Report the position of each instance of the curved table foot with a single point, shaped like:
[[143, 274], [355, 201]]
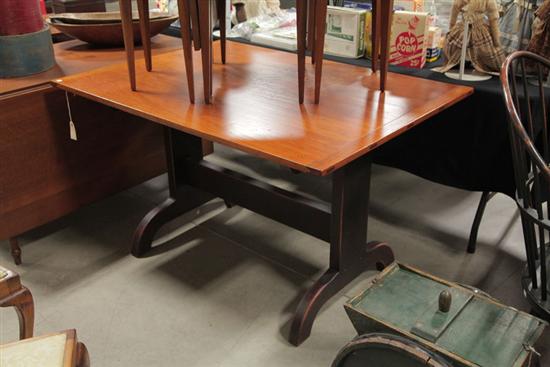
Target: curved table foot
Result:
[[151, 223], [378, 255]]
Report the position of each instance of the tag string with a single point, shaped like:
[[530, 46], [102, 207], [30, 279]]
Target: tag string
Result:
[[68, 106]]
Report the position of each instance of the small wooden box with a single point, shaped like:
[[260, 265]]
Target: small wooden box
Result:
[[476, 331], [78, 6]]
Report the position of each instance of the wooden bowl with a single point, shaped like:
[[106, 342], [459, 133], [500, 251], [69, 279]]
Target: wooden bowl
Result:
[[109, 34]]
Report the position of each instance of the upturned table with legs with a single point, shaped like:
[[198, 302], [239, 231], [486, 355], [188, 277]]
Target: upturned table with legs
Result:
[[196, 33], [254, 110]]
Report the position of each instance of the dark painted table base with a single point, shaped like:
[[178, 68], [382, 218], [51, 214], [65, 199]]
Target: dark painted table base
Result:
[[343, 223]]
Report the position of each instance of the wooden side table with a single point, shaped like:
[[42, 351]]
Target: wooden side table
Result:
[[196, 30], [13, 294]]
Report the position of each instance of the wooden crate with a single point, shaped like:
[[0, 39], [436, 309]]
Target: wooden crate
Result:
[[476, 331]]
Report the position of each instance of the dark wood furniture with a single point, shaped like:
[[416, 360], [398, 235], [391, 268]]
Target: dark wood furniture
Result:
[[45, 175], [253, 114], [529, 136], [13, 294]]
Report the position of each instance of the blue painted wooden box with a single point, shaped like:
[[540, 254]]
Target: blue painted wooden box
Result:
[[26, 54], [476, 330]]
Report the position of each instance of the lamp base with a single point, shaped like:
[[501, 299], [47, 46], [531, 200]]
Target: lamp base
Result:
[[468, 76]]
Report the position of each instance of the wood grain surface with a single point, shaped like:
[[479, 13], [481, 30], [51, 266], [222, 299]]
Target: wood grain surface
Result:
[[254, 106]]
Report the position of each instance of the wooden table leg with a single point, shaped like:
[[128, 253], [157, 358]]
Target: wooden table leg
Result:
[[375, 35], [385, 33], [301, 29], [195, 24], [185, 30], [205, 26], [182, 198], [15, 250], [311, 6], [221, 10], [126, 17], [349, 256], [23, 303], [144, 26], [320, 29]]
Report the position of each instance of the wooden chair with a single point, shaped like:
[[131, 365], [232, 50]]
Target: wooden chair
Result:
[[529, 137], [54, 350], [311, 28], [13, 294]]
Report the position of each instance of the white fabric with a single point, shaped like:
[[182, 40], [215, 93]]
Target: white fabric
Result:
[[36, 352]]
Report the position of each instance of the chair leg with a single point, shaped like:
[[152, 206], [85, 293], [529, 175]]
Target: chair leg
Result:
[[301, 29], [23, 303], [82, 356], [472, 242], [185, 30], [15, 250], [144, 27], [386, 9], [205, 27], [221, 10], [128, 33], [320, 29]]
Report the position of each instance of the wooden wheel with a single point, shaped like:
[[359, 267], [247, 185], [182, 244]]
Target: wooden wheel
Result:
[[386, 350]]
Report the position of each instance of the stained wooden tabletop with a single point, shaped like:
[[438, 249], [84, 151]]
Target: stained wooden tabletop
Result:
[[255, 104]]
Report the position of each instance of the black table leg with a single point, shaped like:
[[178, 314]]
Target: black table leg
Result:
[[183, 198], [194, 181], [349, 254]]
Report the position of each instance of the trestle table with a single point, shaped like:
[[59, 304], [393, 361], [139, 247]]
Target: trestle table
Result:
[[254, 110]]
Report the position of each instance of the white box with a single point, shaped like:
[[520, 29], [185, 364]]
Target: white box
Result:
[[345, 34]]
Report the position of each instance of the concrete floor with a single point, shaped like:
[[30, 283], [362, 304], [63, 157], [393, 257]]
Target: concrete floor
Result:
[[223, 289]]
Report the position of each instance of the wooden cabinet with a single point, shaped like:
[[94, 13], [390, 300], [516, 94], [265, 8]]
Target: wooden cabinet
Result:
[[43, 173]]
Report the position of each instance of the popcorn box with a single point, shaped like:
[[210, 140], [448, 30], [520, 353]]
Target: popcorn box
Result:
[[345, 35], [408, 39]]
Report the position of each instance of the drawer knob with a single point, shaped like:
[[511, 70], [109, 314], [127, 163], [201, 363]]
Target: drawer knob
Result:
[[445, 300]]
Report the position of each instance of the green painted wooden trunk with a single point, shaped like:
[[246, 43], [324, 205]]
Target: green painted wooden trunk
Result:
[[476, 331]]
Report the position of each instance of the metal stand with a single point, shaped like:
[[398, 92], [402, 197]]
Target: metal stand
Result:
[[194, 181], [462, 74]]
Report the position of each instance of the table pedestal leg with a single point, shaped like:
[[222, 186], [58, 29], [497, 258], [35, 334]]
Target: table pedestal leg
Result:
[[182, 198], [349, 256]]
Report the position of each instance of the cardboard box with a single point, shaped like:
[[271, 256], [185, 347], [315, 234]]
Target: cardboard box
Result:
[[345, 32], [433, 50], [408, 39], [409, 5]]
